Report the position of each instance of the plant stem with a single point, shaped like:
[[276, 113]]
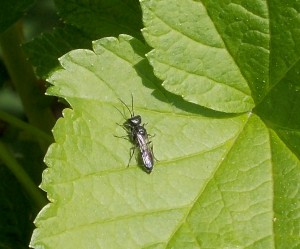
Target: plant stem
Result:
[[25, 82], [13, 165], [25, 127]]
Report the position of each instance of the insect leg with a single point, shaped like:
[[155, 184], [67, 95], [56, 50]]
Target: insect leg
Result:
[[132, 150], [151, 148], [150, 135], [123, 137]]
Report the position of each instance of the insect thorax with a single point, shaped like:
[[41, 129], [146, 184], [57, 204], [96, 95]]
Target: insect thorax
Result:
[[135, 121]]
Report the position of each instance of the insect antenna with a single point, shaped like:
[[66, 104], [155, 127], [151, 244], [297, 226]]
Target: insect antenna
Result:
[[131, 112], [132, 104], [122, 113]]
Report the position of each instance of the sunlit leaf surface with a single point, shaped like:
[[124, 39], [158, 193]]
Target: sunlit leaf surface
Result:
[[228, 171]]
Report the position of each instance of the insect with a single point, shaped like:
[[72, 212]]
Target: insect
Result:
[[139, 137]]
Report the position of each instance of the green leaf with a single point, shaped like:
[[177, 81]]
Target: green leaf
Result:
[[197, 60], [45, 49], [102, 18], [92, 21], [221, 180], [11, 11]]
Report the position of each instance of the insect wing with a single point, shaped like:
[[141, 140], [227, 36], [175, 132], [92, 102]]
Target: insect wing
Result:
[[148, 160], [146, 151]]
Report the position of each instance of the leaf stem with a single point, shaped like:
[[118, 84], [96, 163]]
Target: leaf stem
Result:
[[25, 82], [21, 175]]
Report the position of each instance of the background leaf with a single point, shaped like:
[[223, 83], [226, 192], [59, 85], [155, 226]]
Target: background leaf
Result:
[[45, 49], [103, 18], [16, 217], [11, 11], [17, 212], [222, 180], [86, 21]]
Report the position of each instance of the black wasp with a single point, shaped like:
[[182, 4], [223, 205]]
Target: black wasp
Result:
[[139, 137]]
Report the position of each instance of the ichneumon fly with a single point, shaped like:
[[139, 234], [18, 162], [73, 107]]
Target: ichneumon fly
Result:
[[139, 137]]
